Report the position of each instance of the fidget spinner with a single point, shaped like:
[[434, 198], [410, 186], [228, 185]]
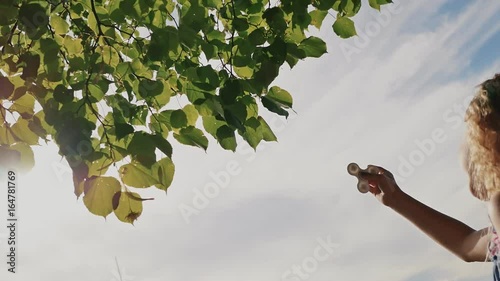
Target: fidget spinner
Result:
[[353, 169]]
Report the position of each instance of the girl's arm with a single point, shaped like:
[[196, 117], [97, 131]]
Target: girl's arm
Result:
[[468, 244], [463, 241]]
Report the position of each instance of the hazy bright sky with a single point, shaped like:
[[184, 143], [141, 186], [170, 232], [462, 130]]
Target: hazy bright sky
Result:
[[371, 102]]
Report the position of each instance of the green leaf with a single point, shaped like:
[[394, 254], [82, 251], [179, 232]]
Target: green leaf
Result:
[[136, 175], [267, 133], [230, 91], [31, 64], [72, 45], [273, 106], [162, 144], [99, 193], [92, 23], [62, 94], [258, 36], [210, 50], [344, 27], [164, 44], [313, 47], [212, 3], [60, 25], [22, 132], [164, 98], [206, 78], [244, 72], [191, 114], [99, 164], [240, 24], [350, 7], [96, 92], [24, 106], [280, 96], [6, 88], [142, 149], [164, 171], [226, 138], [8, 13], [374, 4], [253, 132], [266, 74], [275, 18], [50, 50], [192, 136], [159, 128], [33, 20], [178, 119], [324, 4], [150, 88], [317, 17], [276, 51], [126, 206], [123, 129], [221, 132], [110, 56], [37, 126]]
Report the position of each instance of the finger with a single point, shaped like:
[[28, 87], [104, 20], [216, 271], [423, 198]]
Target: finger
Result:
[[381, 170], [373, 187], [374, 190], [378, 180], [371, 177]]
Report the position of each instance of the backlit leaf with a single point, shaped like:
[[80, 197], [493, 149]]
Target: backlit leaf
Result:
[[164, 171], [22, 132], [99, 193], [60, 25], [136, 175], [317, 17], [126, 207], [280, 96], [192, 136], [313, 47], [344, 27]]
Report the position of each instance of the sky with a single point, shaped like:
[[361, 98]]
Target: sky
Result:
[[394, 96]]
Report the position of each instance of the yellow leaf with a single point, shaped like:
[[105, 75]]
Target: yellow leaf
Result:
[[24, 133], [99, 193], [136, 175], [24, 105], [128, 206]]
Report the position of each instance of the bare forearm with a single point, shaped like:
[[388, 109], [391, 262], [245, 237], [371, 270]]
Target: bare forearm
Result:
[[446, 231]]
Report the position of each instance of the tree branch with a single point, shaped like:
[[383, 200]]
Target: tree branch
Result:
[[10, 37], [99, 28]]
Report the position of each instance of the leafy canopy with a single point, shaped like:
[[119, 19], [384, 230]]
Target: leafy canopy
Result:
[[97, 78]]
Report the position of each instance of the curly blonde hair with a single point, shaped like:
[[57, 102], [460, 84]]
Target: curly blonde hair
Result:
[[482, 140]]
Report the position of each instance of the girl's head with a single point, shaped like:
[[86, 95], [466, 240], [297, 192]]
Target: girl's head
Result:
[[482, 140]]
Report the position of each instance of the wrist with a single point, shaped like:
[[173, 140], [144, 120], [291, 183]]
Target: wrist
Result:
[[398, 200]]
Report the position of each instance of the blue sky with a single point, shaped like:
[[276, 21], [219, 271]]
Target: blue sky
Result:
[[279, 205]]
